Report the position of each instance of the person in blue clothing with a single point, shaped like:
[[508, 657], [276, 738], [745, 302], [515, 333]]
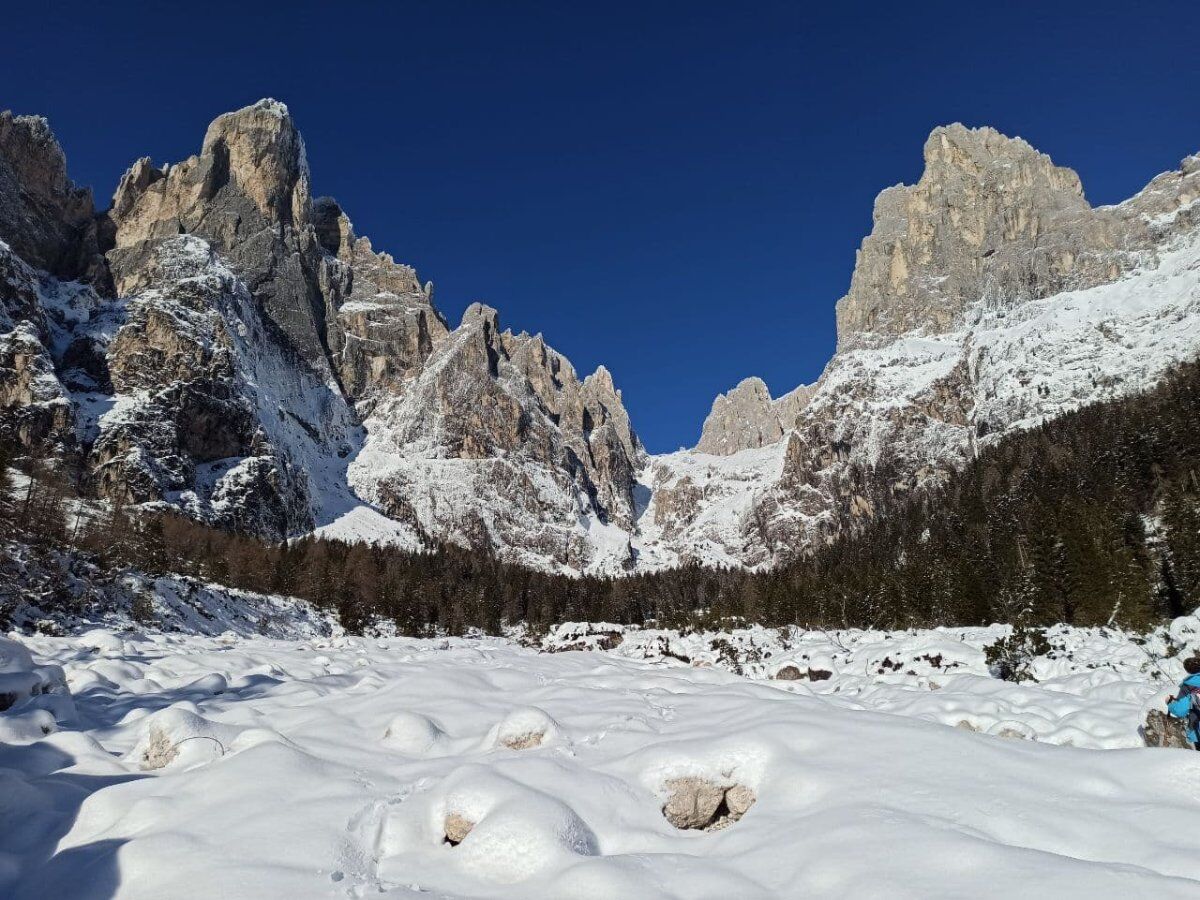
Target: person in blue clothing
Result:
[[1186, 704]]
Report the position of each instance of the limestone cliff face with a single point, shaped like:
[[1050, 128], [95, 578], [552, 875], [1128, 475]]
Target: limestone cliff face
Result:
[[991, 220], [989, 296], [385, 324], [747, 417], [243, 351], [221, 343]]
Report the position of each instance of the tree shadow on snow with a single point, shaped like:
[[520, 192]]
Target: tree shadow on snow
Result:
[[88, 872], [40, 803], [41, 807]]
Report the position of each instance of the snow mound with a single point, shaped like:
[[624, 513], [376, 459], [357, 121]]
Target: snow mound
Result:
[[34, 696], [179, 738], [414, 735], [516, 832], [523, 729], [101, 640]]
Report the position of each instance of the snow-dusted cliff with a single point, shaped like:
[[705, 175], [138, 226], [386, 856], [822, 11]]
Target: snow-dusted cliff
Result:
[[221, 342]]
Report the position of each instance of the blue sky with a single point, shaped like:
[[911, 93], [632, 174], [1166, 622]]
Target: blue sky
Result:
[[675, 190]]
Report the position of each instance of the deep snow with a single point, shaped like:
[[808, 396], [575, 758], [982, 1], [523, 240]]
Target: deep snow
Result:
[[201, 766]]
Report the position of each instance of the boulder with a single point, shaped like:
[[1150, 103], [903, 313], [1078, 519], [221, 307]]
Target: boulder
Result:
[[456, 827], [692, 803], [1162, 730]]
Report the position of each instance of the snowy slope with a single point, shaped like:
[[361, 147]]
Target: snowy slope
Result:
[[925, 402], [199, 767]]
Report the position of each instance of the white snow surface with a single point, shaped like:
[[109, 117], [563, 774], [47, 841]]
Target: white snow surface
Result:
[[199, 766]]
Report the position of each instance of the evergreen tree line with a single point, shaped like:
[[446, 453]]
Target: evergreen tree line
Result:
[[1091, 519]]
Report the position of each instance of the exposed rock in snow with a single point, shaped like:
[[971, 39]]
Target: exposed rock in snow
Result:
[[457, 828], [523, 729], [279, 785], [1162, 730], [692, 802]]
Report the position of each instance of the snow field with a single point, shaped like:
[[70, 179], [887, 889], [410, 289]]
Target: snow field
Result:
[[195, 766], [1093, 690]]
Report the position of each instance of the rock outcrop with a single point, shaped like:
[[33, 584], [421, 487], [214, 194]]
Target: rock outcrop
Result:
[[747, 418], [44, 218]]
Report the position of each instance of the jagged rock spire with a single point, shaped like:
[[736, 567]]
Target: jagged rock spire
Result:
[[44, 217]]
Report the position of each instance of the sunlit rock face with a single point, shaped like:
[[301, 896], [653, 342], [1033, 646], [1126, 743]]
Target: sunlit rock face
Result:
[[989, 296], [239, 353], [220, 342]]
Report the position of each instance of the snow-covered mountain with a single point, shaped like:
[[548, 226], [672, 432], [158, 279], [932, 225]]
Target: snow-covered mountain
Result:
[[221, 342], [989, 297]]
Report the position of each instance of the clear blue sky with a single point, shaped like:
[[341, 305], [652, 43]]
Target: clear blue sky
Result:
[[675, 190]]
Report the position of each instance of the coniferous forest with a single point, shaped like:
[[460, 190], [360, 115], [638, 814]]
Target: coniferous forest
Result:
[[1091, 519]]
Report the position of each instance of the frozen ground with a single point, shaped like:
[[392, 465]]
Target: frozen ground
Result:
[[231, 766]]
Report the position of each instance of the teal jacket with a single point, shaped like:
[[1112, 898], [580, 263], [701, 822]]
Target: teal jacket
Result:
[[1181, 706]]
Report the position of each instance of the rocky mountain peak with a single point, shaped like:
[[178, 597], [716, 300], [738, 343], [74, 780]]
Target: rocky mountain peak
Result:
[[990, 218], [251, 173], [247, 194], [602, 380], [259, 150], [480, 312], [44, 218], [984, 154], [747, 417]]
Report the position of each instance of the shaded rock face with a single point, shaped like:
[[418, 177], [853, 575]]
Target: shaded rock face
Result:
[[198, 375], [45, 219]]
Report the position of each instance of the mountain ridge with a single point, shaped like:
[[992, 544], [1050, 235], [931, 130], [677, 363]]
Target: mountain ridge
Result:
[[222, 342]]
